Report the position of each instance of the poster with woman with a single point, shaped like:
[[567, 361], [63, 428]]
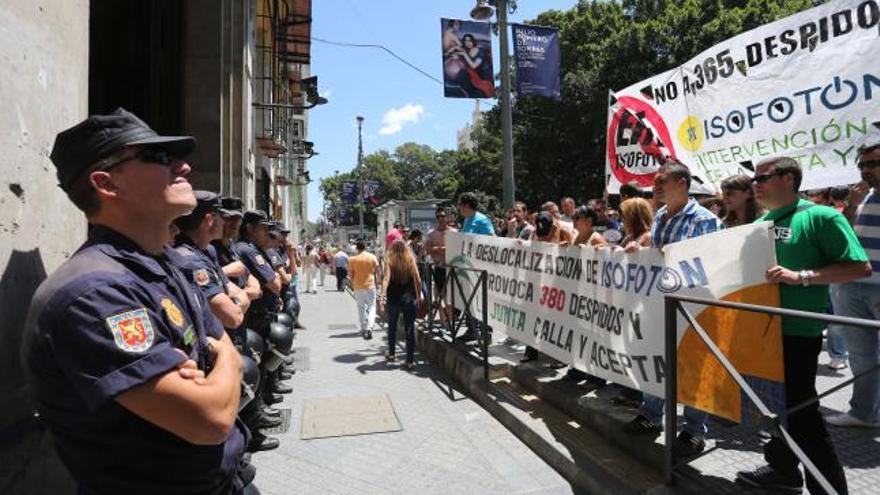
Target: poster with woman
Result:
[[467, 59]]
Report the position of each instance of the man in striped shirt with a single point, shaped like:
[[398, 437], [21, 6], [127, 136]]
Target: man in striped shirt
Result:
[[682, 218], [861, 299]]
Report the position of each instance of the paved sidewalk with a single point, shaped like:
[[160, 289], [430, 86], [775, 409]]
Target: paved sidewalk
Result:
[[448, 443]]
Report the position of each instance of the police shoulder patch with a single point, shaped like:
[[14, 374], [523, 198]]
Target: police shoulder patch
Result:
[[132, 330], [172, 311], [201, 276]]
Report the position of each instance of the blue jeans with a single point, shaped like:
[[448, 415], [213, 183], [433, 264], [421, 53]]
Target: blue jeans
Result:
[[836, 342], [694, 419], [409, 319], [861, 300]]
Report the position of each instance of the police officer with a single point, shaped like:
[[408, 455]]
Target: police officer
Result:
[[227, 302], [224, 253], [123, 356], [197, 230], [253, 239]]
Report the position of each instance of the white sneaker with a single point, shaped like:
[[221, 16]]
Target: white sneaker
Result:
[[837, 364], [848, 421]]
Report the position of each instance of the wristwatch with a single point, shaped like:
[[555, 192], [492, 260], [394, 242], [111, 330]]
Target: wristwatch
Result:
[[806, 277]]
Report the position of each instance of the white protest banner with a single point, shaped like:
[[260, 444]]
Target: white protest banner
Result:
[[602, 310], [806, 86]]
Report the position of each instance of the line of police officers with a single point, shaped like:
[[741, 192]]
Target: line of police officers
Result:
[[154, 359]]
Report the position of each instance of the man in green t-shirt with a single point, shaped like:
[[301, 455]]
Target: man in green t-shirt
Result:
[[815, 246]]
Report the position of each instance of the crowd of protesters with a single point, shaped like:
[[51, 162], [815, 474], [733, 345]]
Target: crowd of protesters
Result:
[[827, 243]]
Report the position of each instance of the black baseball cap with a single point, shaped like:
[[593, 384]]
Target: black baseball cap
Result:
[[81, 146], [543, 223], [280, 228], [258, 217], [230, 206]]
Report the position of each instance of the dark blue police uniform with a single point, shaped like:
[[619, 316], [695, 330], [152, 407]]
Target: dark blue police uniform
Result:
[[262, 310], [199, 268], [112, 318], [225, 255]]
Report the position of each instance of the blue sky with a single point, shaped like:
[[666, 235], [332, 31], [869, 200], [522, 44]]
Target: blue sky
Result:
[[398, 104]]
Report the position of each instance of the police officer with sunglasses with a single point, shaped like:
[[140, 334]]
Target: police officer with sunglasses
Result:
[[130, 371]]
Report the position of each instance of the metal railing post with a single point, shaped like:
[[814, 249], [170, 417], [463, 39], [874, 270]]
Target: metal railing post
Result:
[[484, 330], [671, 371], [452, 279]]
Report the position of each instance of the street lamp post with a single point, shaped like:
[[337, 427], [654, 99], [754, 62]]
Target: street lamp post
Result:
[[480, 13], [360, 174]]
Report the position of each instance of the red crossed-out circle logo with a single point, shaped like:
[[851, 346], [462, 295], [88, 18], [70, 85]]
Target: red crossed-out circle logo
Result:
[[638, 142]]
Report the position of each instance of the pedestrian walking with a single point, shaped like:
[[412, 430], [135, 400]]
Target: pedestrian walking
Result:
[[340, 261], [310, 267], [363, 267], [402, 293]]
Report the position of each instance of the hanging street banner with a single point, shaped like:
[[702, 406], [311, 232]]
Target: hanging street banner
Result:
[[371, 192], [536, 51], [602, 310], [349, 192], [806, 86], [467, 59]]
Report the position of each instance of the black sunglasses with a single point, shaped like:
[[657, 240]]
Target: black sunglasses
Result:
[[868, 164], [147, 155], [760, 179]]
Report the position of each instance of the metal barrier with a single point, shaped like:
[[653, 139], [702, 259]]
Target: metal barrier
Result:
[[673, 305], [453, 276]]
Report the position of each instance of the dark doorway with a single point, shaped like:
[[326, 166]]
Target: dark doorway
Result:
[[136, 60]]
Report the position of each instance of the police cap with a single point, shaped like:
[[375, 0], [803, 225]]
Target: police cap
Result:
[[256, 217], [78, 148], [231, 206], [206, 202]]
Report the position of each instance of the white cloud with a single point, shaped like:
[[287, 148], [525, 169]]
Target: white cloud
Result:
[[395, 118]]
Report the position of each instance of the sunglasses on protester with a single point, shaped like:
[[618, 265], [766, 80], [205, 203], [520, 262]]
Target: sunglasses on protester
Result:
[[146, 155], [762, 178], [868, 164]]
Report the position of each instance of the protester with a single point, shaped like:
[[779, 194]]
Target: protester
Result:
[[568, 208], [681, 218], [628, 191], [717, 206], [861, 299], [637, 220], [742, 208], [436, 250], [362, 268], [111, 377], [584, 220], [415, 244], [815, 246], [340, 261], [402, 293], [819, 196], [547, 229], [474, 221], [518, 226], [637, 217]]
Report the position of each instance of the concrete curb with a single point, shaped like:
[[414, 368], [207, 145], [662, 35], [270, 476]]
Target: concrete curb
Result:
[[582, 457]]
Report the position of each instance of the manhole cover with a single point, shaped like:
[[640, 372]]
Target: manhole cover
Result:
[[343, 416], [283, 427]]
